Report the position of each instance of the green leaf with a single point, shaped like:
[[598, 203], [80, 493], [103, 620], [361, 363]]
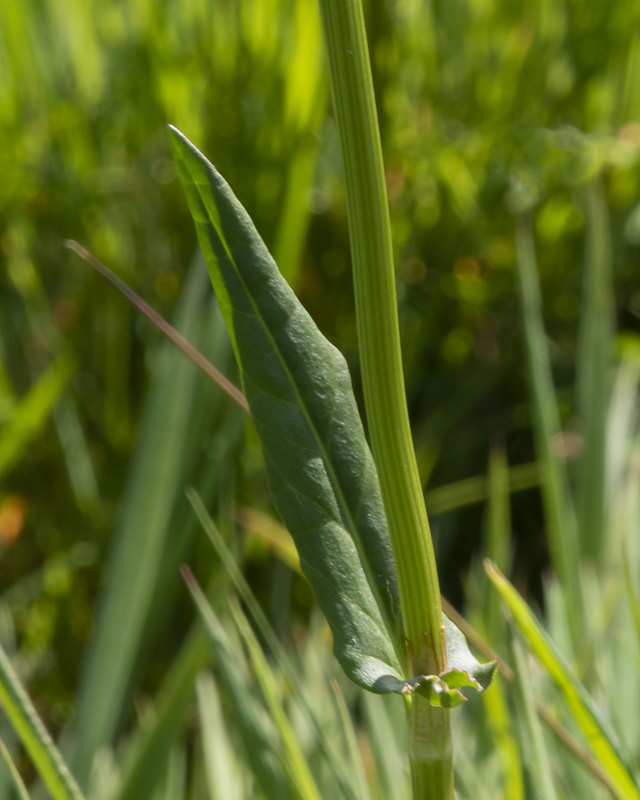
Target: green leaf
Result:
[[223, 769], [292, 755], [31, 413], [263, 752], [320, 470], [35, 738], [562, 530], [601, 740], [463, 671], [595, 368], [16, 778], [535, 748], [140, 545], [153, 742], [286, 667], [632, 597]]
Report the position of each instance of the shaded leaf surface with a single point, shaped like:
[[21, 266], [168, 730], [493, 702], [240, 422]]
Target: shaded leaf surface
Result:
[[320, 470], [321, 473]]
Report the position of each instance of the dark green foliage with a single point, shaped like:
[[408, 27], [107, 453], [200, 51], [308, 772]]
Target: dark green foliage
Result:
[[321, 473]]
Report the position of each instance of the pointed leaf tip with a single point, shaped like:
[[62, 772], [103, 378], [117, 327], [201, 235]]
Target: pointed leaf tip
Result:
[[321, 473], [326, 487]]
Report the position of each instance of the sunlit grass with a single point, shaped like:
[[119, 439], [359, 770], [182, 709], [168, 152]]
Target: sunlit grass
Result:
[[485, 112]]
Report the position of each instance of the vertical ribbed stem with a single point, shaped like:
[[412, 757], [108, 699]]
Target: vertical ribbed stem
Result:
[[383, 381]]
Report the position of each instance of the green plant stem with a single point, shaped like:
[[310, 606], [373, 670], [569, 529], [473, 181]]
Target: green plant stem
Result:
[[562, 527], [430, 751], [384, 392]]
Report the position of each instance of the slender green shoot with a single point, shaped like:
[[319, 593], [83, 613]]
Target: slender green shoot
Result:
[[561, 521], [282, 658], [293, 757], [222, 770], [34, 736], [601, 740], [595, 377], [16, 778], [538, 756], [353, 755], [383, 381]]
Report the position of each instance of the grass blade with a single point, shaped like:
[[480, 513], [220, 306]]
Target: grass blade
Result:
[[562, 528], [353, 755], [477, 489], [32, 411], [500, 722], [537, 755], [260, 743], [594, 376], [497, 539], [136, 557], [275, 532], [16, 778], [294, 759], [169, 331], [600, 739], [387, 726], [153, 744], [175, 776], [632, 595], [221, 765], [34, 736]]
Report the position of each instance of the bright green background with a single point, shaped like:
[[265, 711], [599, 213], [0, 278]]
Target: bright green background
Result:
[[486, 108]]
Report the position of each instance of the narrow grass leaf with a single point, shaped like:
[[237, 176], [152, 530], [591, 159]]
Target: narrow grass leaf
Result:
[[469, 782], [175, 776], [353, 754], [561, 522], [137, 554], [222, 770], [387, 727], [156, 319], [34, 736], [504, 738], [153, 743], [504, 718], [256, 730], [537, 755], [477, 489], [272, 533], [30, 413], [497, 538], [594, 374], [601, 741], [499, 521], [294, 759], [278, 533], [632, 595], [76, 452], [16, 778]]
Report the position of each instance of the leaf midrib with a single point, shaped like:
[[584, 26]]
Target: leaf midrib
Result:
[[335, 483]]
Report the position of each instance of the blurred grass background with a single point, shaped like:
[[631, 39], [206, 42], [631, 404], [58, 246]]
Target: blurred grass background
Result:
[[487, 111]]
